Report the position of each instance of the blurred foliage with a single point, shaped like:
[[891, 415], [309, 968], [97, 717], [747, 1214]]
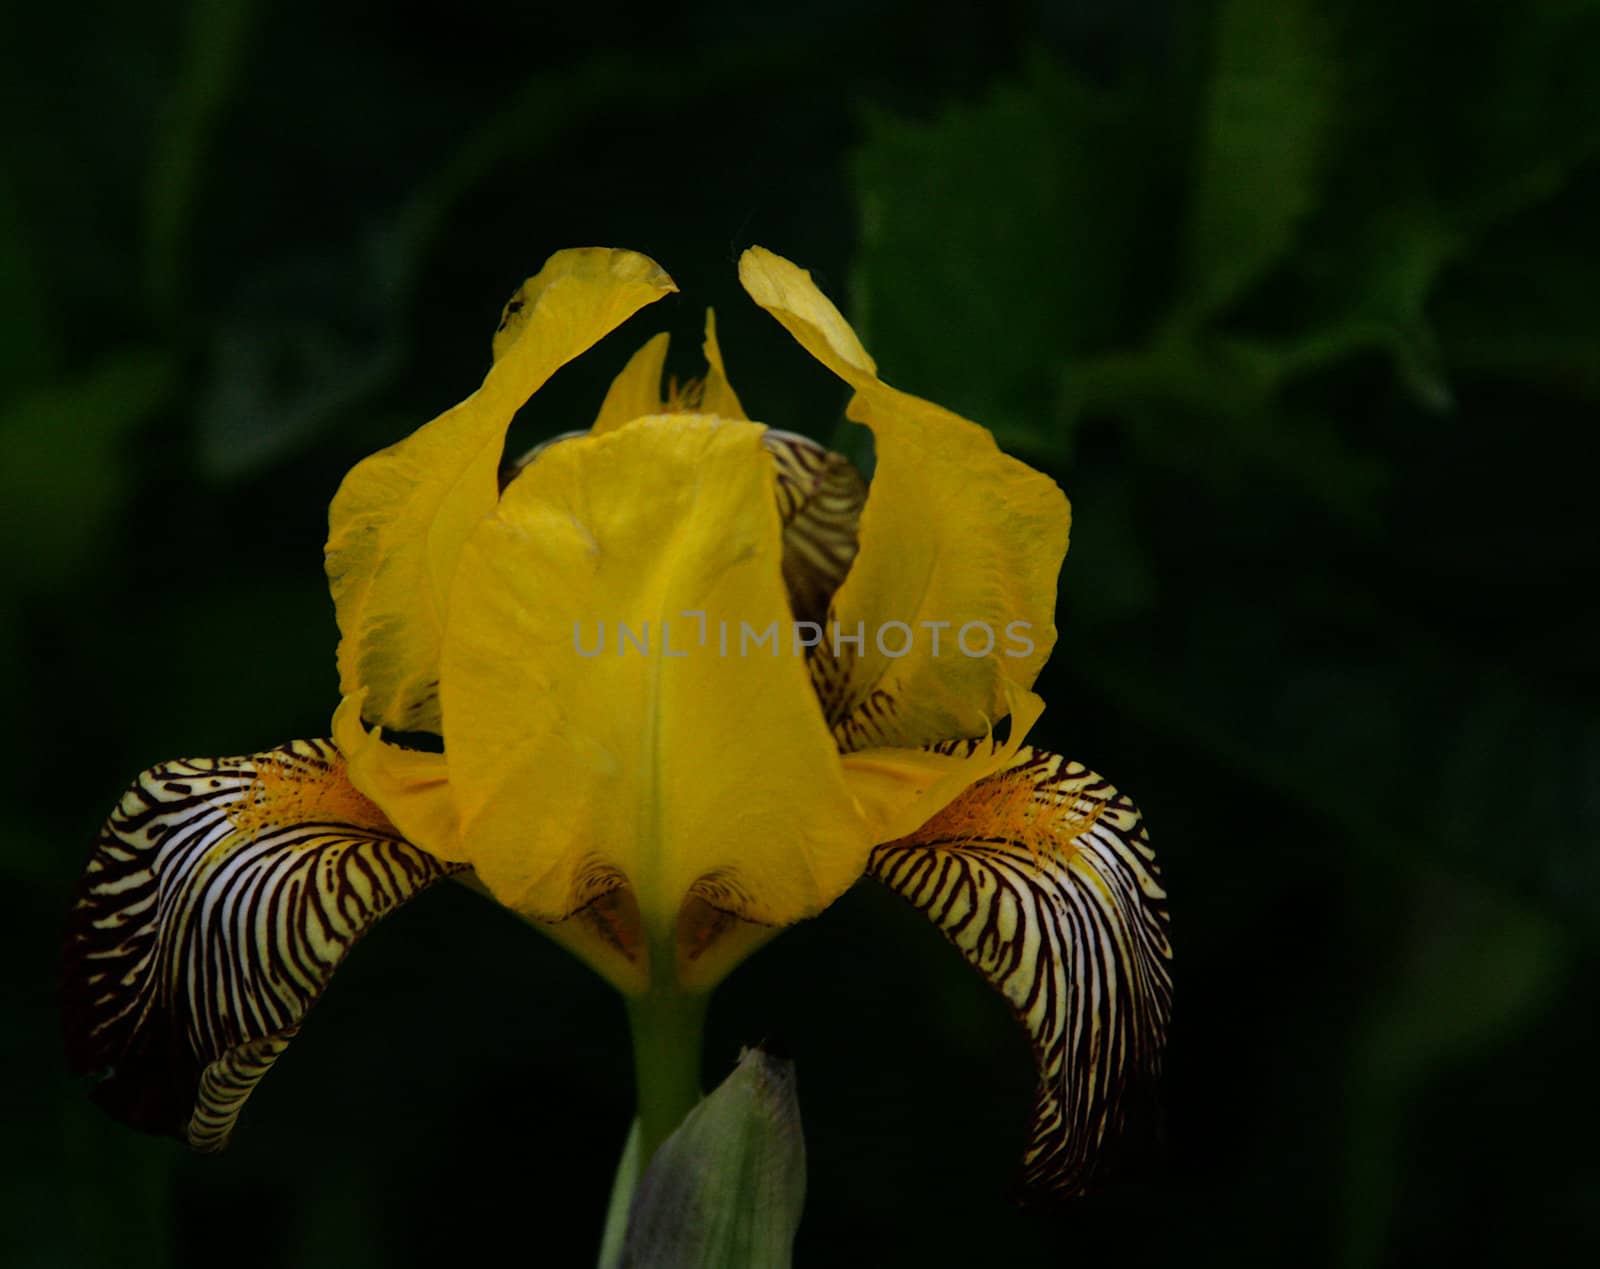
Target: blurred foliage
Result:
[[1295, 300]]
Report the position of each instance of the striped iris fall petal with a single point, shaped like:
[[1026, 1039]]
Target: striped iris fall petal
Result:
[[221, 896], [1042, 877]]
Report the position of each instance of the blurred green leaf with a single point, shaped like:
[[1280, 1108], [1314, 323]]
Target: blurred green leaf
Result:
[[1207, 405], [66, 469], [1108, 573], [1523, 304], [214, 46], [1458, 118], [1030, 258], [26, 352], [1474, 967], [1263, 141]]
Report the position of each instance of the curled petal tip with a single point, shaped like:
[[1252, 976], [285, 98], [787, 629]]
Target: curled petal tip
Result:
[[790, 294]]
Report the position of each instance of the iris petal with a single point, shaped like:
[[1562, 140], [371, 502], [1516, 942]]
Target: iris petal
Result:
[[412, 786], [398, 522], [959, 543], [1042, 877], [221, 896], [718, 396], [635, 392], [682, 750], [898, 790]]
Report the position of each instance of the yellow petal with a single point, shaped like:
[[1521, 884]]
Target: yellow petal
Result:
[[411, 785], [956, 537], [899, 790], [787, 292], [719, 397], [636, 392], [399, 520], [674, 764]]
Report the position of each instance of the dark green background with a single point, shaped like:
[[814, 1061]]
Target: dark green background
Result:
[[1297, 301]]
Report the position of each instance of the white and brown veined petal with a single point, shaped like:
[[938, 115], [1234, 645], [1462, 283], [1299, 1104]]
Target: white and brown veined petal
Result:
[[221, 896], [1043, 878]]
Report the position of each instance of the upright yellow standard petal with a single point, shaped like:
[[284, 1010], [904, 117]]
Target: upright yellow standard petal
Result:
[[400, 518], [719, 396], [636, 392], [960, 544], [620, 691]]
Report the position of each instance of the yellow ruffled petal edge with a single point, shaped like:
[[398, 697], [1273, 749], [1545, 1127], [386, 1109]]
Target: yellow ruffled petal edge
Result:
[[960, 548], [398, 522]]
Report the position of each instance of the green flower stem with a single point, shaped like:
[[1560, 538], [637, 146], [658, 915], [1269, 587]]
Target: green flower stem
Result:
[[666, 1028]]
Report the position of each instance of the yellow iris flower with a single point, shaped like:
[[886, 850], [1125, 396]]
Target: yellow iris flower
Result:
[[663, 688]]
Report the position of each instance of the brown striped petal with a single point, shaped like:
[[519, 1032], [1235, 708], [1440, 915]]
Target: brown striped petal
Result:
[[820, 496], [221, 895], [1042, 876]]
